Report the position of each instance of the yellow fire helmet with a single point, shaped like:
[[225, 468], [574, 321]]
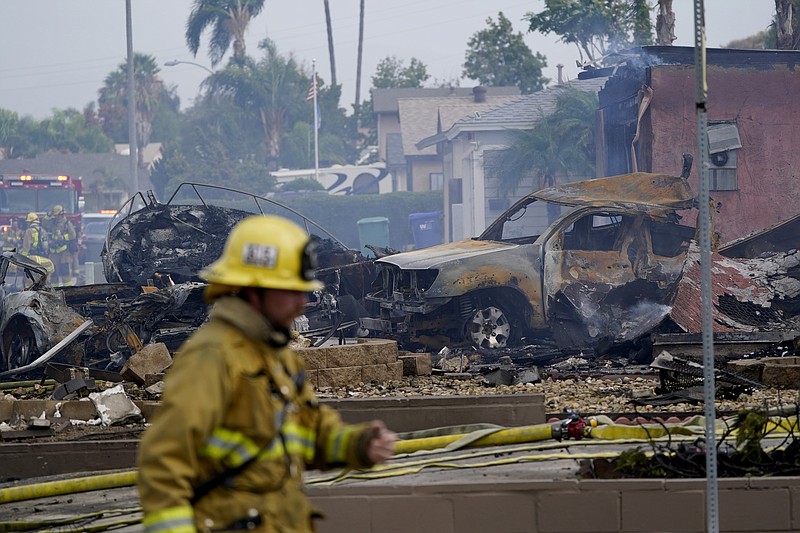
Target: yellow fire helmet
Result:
[[32, 217], [57, 210], [266, 251]]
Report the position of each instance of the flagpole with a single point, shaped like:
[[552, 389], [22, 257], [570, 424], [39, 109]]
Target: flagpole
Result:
[[316, 119]]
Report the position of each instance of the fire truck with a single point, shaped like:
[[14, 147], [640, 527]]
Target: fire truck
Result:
[[21, 194]]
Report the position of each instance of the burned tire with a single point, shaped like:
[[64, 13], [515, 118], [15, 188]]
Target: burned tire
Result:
[[20, 348], [490, 327]]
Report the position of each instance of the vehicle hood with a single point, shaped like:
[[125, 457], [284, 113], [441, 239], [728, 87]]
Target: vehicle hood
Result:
[[435, 256], [639, 191]]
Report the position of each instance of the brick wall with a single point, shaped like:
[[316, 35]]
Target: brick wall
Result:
[[338, 366]]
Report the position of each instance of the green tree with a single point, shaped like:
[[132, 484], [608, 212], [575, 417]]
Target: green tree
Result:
[[273, 88], [496, 56], [391, 72], [67, 131], [228, 21], [559, 144], [595, 27], [113, 99]]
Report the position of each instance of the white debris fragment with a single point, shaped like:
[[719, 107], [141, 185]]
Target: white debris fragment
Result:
[[115, 407]]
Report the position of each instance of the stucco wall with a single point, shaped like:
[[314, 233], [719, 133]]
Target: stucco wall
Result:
[[765, 106]]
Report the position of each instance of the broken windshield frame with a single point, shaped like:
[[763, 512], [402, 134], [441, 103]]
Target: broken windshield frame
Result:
[[524, 222]]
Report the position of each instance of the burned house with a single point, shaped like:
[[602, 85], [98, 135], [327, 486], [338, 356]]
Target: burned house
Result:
[[752, 132]]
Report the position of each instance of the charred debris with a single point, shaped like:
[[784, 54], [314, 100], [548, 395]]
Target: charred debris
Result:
[[152, 254], [613, 283]]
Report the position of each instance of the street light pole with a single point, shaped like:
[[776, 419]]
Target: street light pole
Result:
[[131, 90], [176, 62]]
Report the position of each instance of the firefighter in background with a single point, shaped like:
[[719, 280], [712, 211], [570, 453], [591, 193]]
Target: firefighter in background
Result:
[[13, 237], [239, 422], [62, 239], [34, 243]]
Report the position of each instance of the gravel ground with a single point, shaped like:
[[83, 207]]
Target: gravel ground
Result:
[[582, 394]]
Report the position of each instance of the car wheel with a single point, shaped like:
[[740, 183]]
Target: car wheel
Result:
[[22, 349], [489, 327]]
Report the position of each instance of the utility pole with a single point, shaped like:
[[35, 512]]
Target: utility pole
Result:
[[330, 42], [358, 64], [132, 144]]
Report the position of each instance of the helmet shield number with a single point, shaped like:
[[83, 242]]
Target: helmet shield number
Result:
[[259, 255]]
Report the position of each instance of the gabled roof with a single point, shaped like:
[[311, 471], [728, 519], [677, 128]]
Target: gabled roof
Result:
[[422, 117], [385, 100], [522, 113]]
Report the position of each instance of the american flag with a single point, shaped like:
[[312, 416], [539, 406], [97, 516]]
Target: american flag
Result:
[[312, 91]]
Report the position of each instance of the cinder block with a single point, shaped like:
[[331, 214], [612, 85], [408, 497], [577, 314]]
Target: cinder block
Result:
[[749, 368], [312, 376], [417, 364], [313, 357], [395, 370], [781, 372], [582, 512], [380, 351], [518, 512], [402, 514], [755, 510], [6, 410], [343, 514], [642, 510], [338, 377], [345, 355], [151, 359], [379, 373], [78, 410]]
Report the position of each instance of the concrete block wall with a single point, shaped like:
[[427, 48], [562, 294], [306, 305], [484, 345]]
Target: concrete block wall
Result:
[[746, 505], [349, 364]]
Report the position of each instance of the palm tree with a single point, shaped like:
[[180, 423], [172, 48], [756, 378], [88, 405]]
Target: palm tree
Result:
[[228, 20], [558, 145], [113, 100], [273, 89]]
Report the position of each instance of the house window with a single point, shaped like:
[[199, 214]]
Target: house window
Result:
[[437, 181], [723, 150]]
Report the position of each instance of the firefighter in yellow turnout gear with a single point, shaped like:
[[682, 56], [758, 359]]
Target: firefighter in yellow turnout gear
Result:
[[62, 240], [13, 238], [239, 423], [34, 243]]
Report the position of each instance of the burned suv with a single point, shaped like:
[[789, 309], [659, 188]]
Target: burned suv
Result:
[[559, 261]]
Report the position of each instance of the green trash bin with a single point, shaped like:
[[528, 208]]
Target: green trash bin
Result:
[[375, 231]]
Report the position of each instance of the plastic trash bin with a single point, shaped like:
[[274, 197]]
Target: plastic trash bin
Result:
[[375, 231], [426, 228]]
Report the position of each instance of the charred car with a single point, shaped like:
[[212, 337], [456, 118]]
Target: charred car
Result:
[[152, 255], [603, 269]]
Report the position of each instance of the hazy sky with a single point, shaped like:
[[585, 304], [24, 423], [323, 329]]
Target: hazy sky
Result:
[[56, 53]]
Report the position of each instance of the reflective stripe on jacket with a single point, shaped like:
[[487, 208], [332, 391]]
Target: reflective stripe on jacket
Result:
[[228, 397]]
